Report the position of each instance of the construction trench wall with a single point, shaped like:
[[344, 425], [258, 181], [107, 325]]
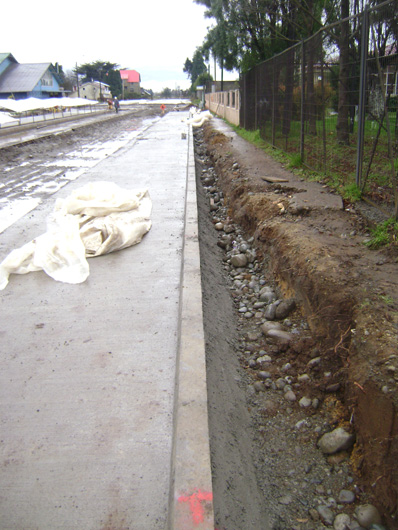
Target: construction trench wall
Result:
[[354, 338]]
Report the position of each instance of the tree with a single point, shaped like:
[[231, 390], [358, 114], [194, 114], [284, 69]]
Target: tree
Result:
[[195, 67], [250, 31], [105, 72]]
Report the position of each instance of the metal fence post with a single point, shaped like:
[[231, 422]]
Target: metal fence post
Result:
[[274, 95], [362, 94], [302, 113]]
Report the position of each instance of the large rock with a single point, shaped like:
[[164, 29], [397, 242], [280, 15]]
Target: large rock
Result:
[[268, 326], [267, 295], [239, 260], [367, 515], [285, 308], [337, 440], [326, 515], [270, 312], [342, 522], [278, 335]]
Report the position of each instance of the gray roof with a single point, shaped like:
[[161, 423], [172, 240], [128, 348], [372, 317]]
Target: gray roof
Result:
[[4, 56], [22, 77]]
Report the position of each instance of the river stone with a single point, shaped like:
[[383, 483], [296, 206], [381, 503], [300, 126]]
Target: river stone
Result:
[[258, 386], [367, 515], [342, 522], [314, 362], [337, 440], [266, 295], [271, 311], [239, 260], [264, 375], [264, 359], [346, 497], [250, 255], [290, 395], [219, 226], [278, 335], [224, 242], [267, 326], [228, 229], [305, 402], [209, 180], [326, 515], [280, 383], [285, 308]]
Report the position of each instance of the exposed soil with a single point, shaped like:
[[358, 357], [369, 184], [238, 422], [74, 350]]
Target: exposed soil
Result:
[[268, 470]]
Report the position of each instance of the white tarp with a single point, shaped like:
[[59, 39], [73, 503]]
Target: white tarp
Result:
[[28, 104], [198, 118], [6, 119], [96, 219]]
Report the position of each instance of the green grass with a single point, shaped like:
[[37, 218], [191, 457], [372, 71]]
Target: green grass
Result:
[[352, 193], [326, 160], [387, 299], [296, 161], [384, 234]]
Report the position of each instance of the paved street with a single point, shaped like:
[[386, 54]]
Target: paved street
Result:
[[93, 434]]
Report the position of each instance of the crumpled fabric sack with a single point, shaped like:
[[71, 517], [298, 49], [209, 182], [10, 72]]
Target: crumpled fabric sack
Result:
[[198, 118], [96, 219]]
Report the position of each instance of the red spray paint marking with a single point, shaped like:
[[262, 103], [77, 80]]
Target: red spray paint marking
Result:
[[195, 506]]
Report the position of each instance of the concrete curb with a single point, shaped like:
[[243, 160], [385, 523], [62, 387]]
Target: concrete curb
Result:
[[191, 497]]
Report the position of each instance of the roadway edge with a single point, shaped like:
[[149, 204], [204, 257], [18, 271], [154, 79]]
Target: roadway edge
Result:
[[191, 496]]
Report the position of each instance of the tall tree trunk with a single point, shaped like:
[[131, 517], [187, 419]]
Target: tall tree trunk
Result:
[[342, 128]]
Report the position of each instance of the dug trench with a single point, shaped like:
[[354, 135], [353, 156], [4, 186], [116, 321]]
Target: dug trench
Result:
[[301, 325]]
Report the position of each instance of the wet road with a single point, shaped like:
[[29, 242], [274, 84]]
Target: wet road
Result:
[[103, 384], [31, 172]]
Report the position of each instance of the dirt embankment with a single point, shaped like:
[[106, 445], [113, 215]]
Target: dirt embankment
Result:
[[348, 293]]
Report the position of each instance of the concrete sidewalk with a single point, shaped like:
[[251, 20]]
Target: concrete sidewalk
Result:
[[103, 385]]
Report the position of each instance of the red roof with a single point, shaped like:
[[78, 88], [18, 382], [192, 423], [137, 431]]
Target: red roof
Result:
[[131, 76]]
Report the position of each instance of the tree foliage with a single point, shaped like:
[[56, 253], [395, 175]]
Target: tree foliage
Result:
[[195, 67], [247, 32], [105, 72]]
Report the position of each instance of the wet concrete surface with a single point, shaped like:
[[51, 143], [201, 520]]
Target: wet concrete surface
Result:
[[89, 371]]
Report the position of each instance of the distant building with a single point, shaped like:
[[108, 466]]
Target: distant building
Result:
[[21, 81], [92, 90], [130, 81]]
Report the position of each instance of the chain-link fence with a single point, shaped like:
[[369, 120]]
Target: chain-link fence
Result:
[[332, 101]]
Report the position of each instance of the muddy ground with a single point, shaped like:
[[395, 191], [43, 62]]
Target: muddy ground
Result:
[[268, 469]]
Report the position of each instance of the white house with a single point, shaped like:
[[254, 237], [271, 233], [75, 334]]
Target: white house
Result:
[[92, 90]]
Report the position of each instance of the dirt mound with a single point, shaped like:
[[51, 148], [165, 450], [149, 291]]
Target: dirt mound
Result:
[[348, 293]]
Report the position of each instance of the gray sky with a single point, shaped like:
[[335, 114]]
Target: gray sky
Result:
[[153, 37]]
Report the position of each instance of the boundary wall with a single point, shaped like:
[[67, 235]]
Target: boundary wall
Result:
[[225, 104]]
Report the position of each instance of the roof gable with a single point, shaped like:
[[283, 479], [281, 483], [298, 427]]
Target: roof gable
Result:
[[9, 56], [131, 76]]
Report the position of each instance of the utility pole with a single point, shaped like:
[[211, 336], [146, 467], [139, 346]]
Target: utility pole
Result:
[[77, 80], [100, 77]]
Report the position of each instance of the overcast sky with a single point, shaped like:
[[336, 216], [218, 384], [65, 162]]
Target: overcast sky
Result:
[[153, 37]]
